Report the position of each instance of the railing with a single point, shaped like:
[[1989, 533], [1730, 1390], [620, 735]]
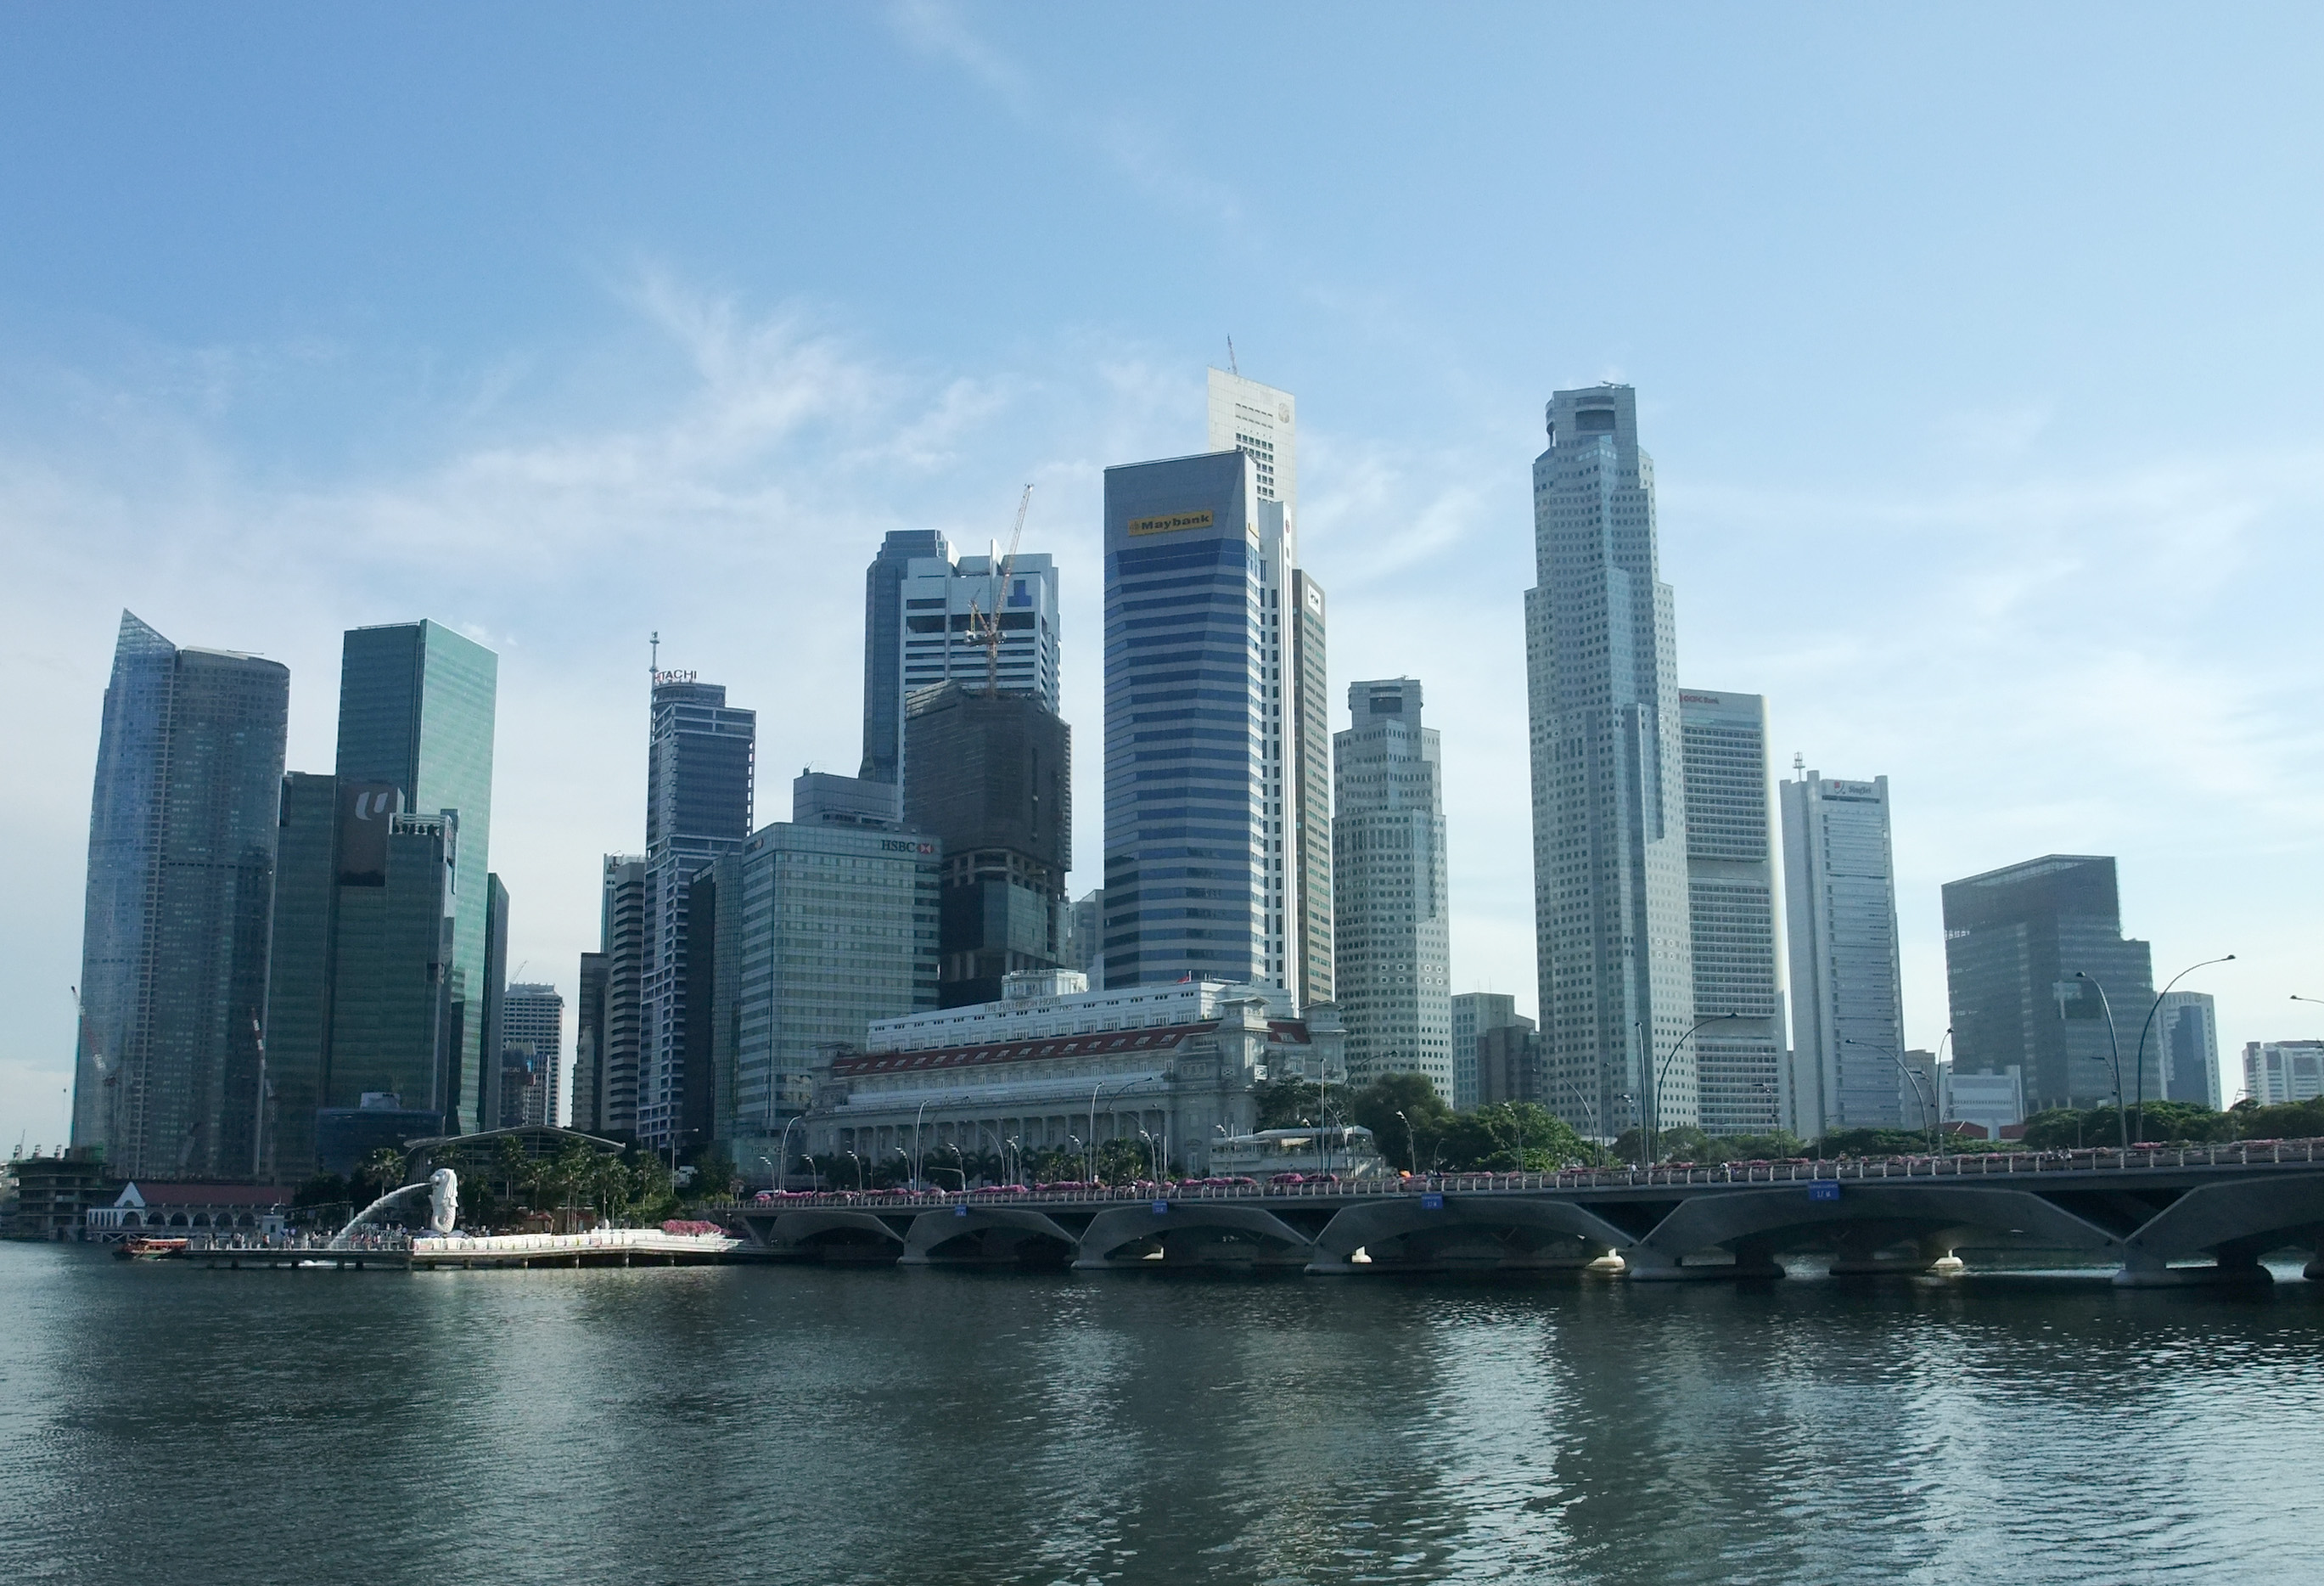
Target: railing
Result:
[[1983, 1165]]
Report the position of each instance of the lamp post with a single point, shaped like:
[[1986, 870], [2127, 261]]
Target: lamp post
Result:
[[1662, 1072], [1153, 1150], [2114, 1044], [2138, 1079], [783, 1151], [1411, 1144], [915, 1141], [858, 1160], [1624, 1098], [1928, 1109]]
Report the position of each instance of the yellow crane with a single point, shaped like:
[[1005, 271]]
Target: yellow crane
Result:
[[985, 626]]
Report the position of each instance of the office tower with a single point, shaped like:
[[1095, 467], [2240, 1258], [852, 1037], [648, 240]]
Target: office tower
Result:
[[532, 1047], [496, 926], [823, 923], [622, 942], [2277, 1072], [1474, 1014], [925, 626], [1262, 421], [416, 708], [2187, 1033], [181, 855], [883, 648], [1213, 746], [589, 1046], [298, 972], [1509, 1066], [1611, 920], [1847, 1019], [1731, 891], [1993, 1102], [2016, 940], [1393, 929], [698, 781], [1085, 939], [989, 777]]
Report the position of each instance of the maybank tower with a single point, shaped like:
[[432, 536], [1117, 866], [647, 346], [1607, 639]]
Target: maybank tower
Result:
[[1218, 845]]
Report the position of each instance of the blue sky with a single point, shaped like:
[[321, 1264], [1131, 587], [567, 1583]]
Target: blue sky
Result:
[[1977, 348]]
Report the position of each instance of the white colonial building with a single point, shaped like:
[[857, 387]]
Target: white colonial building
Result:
[[1053, 1064]]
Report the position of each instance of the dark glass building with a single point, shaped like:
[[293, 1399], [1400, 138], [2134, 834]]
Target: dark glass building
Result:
[[415, 712], [622, 944], [181, 855], [883, 648], [589, 1046], [989, 776], [2015, 940], [699, 781]]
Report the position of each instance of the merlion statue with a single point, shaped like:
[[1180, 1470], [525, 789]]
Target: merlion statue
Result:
[[443, 1201]]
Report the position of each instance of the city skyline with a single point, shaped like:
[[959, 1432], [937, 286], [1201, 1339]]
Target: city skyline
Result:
[[262, 445]]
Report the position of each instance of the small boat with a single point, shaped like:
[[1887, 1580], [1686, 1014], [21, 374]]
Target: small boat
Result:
[[142, 1249]]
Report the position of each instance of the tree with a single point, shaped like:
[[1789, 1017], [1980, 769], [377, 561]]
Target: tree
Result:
[[378, 1174], [1284, 1104], [1386, 1105], [1511, 1137]]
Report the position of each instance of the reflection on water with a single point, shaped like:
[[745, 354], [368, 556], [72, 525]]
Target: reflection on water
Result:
[[161, 1423]]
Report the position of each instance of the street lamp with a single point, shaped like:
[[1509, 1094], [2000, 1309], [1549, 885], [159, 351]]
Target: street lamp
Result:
[[2138, 1080], [1411, 1144], [2114, 1042], [783, 1151], [1928, 1110], [915, 1163], [1662, 1072], [1153, 1150], [858, 1160]]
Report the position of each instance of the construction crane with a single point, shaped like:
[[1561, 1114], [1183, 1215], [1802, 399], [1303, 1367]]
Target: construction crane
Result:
[[985, 626]]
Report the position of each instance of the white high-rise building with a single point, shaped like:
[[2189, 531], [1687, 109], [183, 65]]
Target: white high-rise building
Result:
[[1613, 940], [1730, 879], [1393, 918], [1217, 750], [531, 1054], [1848, 1019], [2276, 1071]]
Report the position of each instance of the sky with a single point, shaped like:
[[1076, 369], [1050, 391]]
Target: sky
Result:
[[1976, 346]]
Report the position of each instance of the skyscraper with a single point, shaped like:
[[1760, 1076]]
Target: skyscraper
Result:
[[1730, 886], [1847, 1017], [883, 648], [1213, 749], [1474, 1014], [2187, 1033], [1611, 926], [589, 1046], [532, 1045], [182, 855], [927, 630], [493, 1002], [2017, 941], [1393, 930], [699, 765], [622, 942], [415, 712], [989, 776], [823, 923]]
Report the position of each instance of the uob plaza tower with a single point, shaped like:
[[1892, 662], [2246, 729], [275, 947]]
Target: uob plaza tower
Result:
[[1610, 922]]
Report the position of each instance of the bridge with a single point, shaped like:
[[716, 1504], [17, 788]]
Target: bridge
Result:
[[2161, 1216]]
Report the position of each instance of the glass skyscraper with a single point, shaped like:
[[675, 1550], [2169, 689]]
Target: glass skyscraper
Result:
[[1730, 882], [1217, 833], [2015, 939], [883, 648], [698, 781], [416, 714], [181, 858], [1848, 1013], [1392, 932], [1612, 932]]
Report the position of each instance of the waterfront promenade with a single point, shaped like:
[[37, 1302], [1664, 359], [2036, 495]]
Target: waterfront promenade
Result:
[[2164, 1216]]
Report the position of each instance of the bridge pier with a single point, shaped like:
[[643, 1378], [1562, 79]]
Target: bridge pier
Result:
[[2233, 1264], [1861, 1258], [1753, 1260]]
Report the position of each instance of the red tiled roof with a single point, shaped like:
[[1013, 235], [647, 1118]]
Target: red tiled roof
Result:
[[1042, 1048]]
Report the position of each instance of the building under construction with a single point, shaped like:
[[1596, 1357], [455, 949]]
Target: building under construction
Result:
[[989, 773]]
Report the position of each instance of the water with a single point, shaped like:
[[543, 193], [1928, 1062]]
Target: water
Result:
[[161, 1423]]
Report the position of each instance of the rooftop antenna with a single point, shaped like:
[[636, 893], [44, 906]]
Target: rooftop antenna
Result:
[[656, 641], [985, 626], [1799, 767], [1232, 367]]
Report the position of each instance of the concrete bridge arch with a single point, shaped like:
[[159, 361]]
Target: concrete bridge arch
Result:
[[1755, 1225], [1189, 1233], [995, 1235], [1408, 1233]]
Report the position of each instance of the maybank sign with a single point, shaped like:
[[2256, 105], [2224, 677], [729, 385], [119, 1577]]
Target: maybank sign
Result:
[[1170, 523]]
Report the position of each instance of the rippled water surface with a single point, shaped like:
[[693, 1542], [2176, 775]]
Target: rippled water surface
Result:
[[161, 1423]]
